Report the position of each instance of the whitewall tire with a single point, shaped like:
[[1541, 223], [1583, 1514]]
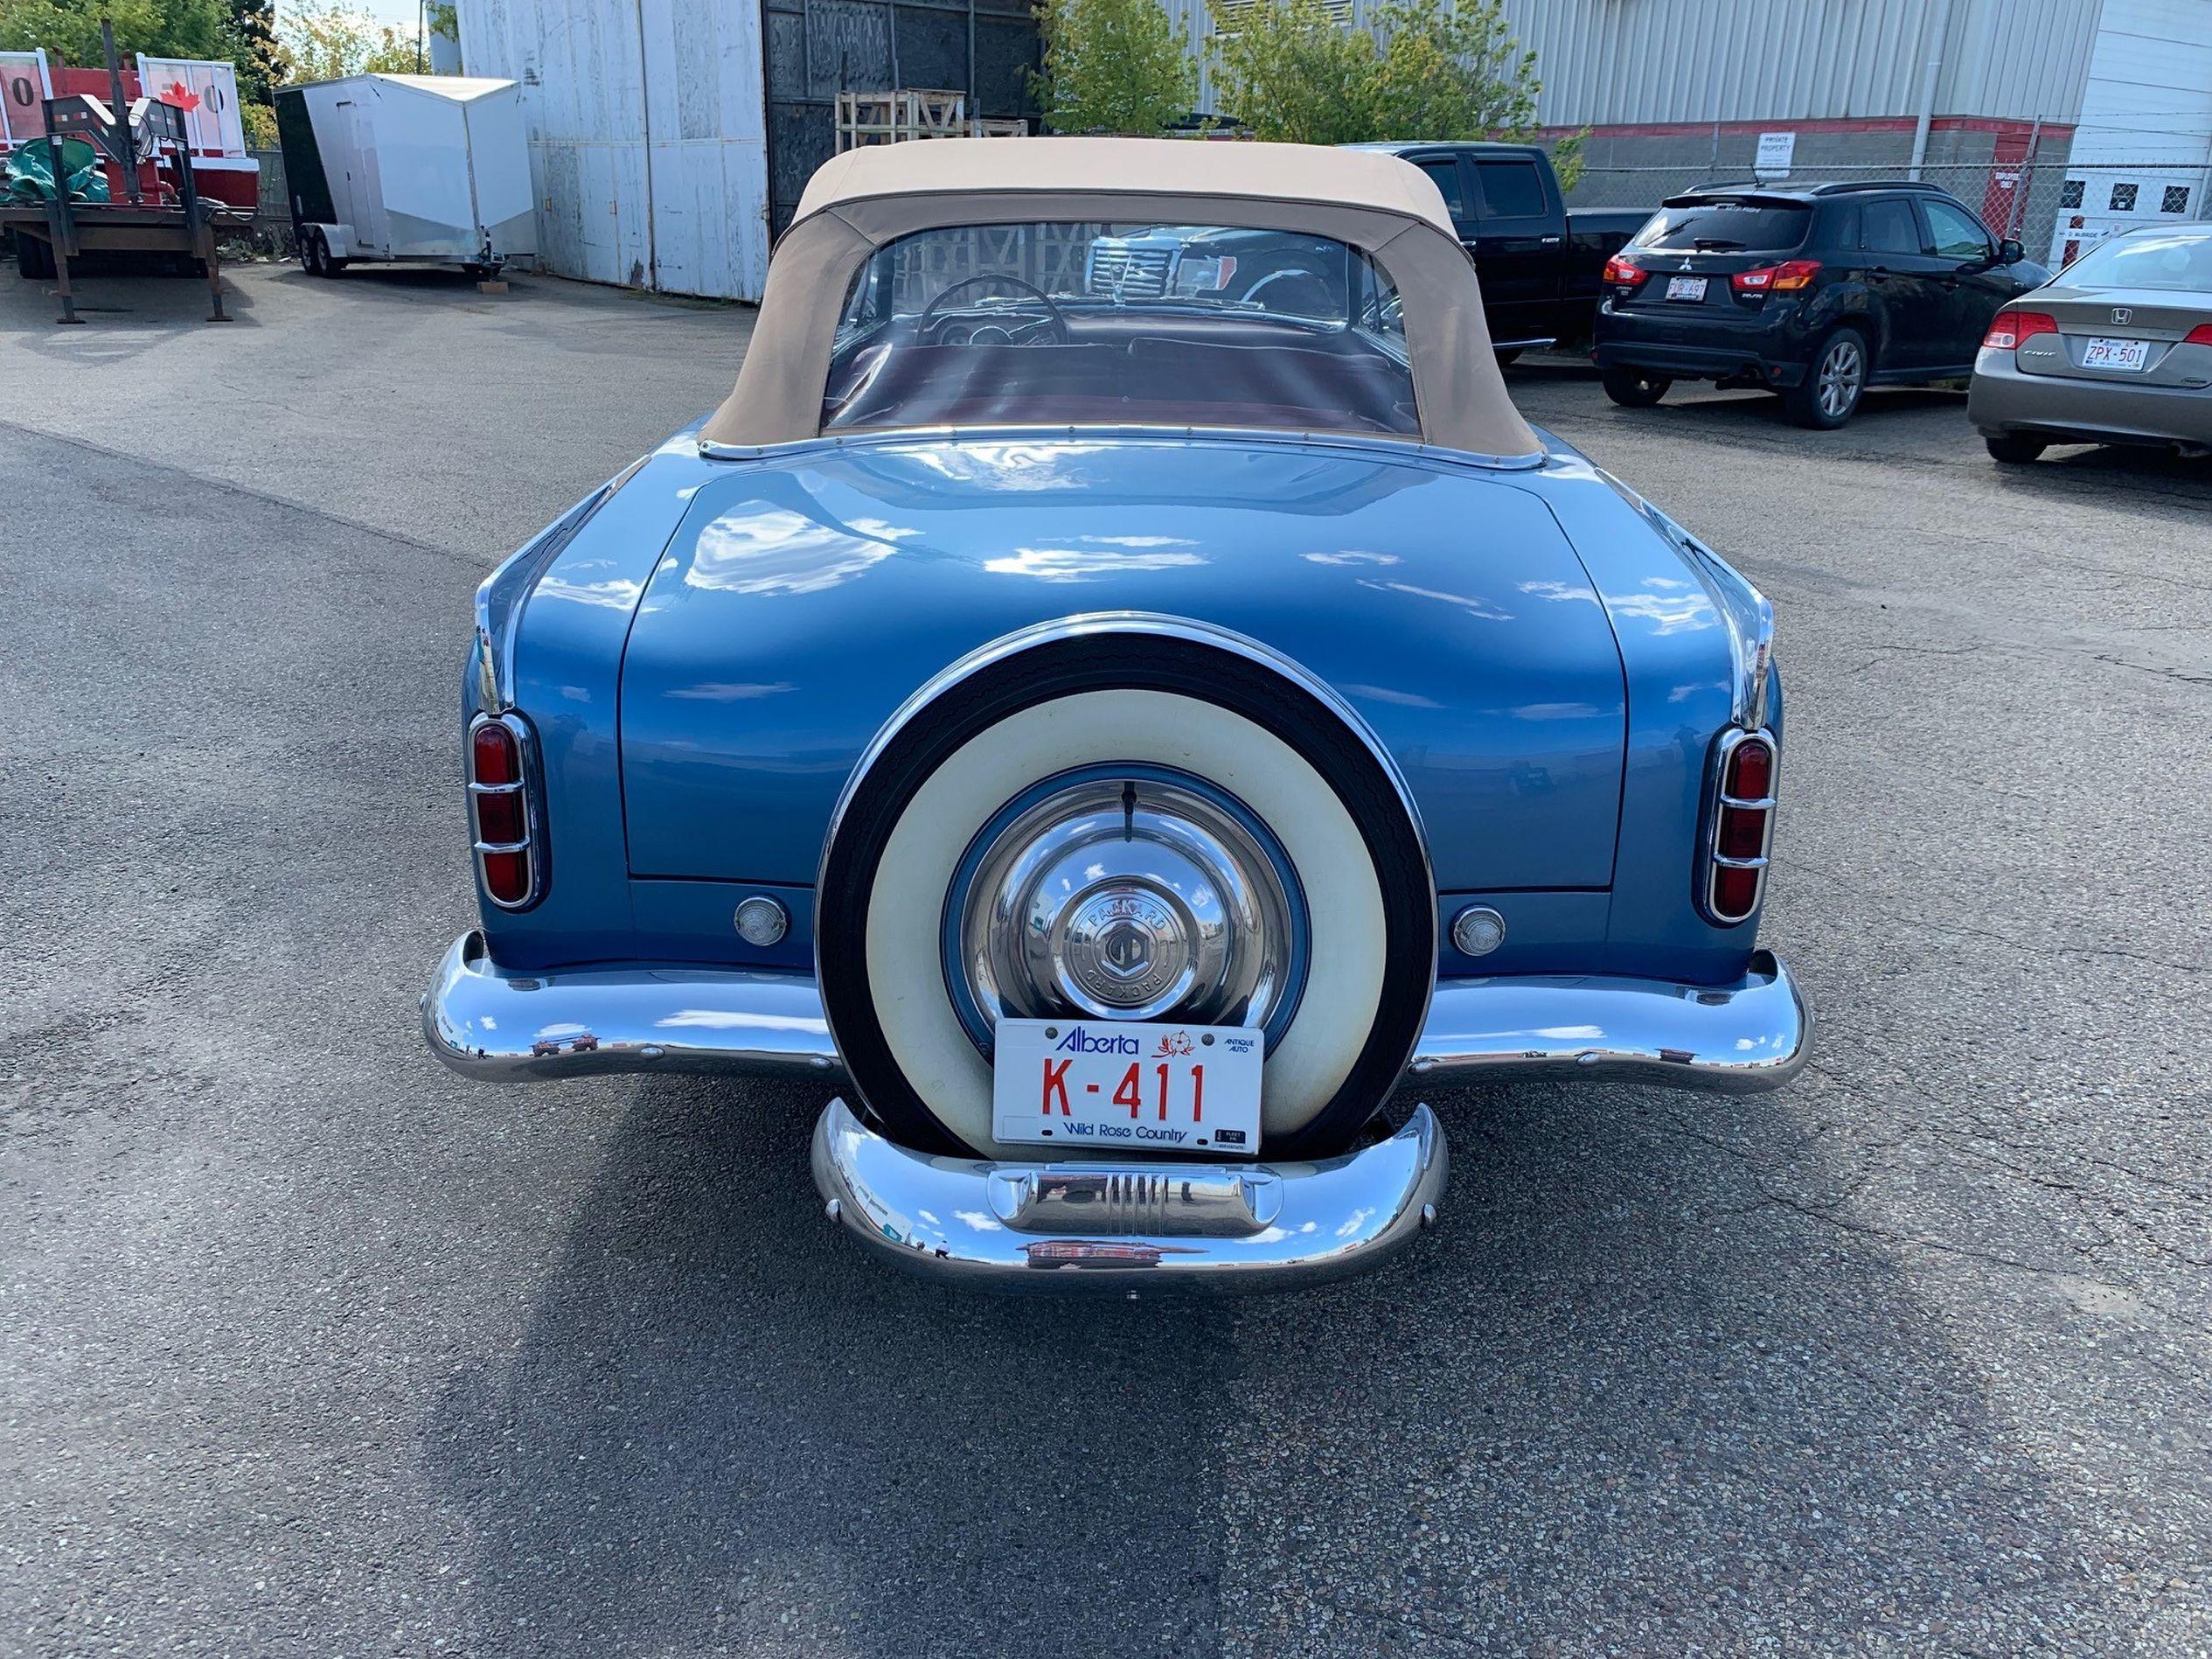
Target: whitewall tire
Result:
[[1329, 804]]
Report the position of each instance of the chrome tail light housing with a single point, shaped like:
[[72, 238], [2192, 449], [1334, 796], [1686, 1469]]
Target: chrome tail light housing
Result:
[[1739, 826], [506, 819]]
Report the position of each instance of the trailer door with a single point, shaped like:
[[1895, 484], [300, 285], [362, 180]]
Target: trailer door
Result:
[[363, 187]]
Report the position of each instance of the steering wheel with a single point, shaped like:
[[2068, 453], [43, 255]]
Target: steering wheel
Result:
[[1052, 324]]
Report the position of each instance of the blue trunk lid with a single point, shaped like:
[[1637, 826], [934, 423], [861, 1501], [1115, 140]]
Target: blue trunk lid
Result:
[[805, 596]]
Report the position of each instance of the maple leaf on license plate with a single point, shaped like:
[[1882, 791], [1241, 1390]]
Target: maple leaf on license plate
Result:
[[1126, 1086]]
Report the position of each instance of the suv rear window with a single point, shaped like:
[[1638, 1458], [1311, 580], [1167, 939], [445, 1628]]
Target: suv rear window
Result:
[[1725, 227]]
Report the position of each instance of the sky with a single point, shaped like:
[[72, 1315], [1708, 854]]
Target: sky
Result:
[[401, 12]]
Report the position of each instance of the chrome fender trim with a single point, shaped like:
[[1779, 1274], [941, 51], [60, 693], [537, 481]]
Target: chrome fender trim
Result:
[[485, 1022], [1128, 1227], [1736, 1039]]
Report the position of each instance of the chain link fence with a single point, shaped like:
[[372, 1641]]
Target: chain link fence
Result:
[[2058, 210]]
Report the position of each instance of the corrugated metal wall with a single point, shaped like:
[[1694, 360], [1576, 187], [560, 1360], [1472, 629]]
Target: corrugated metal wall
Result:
[[646, 140], [1612, 62], [1619, 62]]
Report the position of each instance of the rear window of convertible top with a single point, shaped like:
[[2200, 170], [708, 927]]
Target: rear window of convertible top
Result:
[[1135, 325]]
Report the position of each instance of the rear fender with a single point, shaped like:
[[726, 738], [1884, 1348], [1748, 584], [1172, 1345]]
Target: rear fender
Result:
[[551, 626], [1695, 645]]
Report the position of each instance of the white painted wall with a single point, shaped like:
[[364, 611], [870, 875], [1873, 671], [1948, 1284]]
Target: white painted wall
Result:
[[647, 152], [2145, 128]]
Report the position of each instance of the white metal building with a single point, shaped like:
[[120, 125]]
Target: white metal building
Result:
[[647, 137], [668, 138], [2142, 150]]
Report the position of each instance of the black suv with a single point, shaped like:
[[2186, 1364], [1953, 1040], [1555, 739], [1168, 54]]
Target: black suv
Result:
[[1816, 293]]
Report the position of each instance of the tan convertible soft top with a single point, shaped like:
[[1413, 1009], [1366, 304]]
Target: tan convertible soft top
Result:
[[864, 199]]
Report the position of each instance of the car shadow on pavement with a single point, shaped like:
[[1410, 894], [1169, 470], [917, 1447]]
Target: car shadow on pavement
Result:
[[1625, 1393]]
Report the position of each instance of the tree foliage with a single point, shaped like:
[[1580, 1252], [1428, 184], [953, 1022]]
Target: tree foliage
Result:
[[253, 41], [1291, 72], [1426, 69], [1114, 66], [69, 30], [321, 43]]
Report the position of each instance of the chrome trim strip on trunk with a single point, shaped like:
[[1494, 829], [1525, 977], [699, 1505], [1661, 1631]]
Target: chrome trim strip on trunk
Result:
[[1355, 442], [1741, 1038], [1177, 1228]]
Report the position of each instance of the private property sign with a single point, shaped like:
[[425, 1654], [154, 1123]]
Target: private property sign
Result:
[[1775, 151]]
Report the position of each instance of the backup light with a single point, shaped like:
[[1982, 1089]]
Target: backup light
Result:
[[1622, 272], [1477, 930], [761, 921]]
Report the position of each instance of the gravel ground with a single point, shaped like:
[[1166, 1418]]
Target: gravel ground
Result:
[[309, 1348]]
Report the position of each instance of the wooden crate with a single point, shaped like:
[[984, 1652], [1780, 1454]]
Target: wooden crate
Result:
[[898, 117]]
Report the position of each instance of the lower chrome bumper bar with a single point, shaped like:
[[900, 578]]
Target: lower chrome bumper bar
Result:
[[1203, 1228], [486, 1022]]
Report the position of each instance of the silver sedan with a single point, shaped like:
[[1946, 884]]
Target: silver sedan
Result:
[[2117, 349]]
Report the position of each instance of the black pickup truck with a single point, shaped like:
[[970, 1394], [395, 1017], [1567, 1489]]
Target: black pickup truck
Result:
[[1540, 266]]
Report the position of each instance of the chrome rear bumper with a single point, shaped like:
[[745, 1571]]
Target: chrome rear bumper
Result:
[[485, 1022], [1596, 1026], [1203, 1228], [524, 1028]]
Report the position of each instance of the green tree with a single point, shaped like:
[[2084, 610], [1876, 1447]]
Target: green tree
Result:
[[321, 43], [1113, 66], [253, 39], [1289, 72], [1452, 71], [69, 30], [1428, 69]]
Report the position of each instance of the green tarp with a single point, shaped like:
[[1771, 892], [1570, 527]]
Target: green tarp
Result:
[[29, 175]]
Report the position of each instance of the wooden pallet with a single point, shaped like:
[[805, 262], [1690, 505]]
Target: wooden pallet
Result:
[[897, 117]]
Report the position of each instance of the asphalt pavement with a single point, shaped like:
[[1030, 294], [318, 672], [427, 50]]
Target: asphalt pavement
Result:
[[307, 1347]]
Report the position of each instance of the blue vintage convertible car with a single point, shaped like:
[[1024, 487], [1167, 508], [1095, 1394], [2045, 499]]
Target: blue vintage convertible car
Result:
[[1121, 744]]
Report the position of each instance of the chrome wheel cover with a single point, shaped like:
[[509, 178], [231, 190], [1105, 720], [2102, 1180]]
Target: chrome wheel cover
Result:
[[1131, 892], [1842, 368]]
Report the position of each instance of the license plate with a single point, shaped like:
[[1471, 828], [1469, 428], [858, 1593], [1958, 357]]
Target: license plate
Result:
[[1126, 1086], [2115, 354], [1686, 288]]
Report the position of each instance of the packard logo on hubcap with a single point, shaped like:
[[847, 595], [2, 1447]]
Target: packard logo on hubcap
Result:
[[1124, 948]]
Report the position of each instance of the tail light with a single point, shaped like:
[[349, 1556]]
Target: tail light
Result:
[[1622, 272], [2009, 330], [1786, 278], [2201, 335], [508, 838], [1743, 821]]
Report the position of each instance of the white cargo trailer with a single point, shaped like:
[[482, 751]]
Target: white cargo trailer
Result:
[[420, 169]]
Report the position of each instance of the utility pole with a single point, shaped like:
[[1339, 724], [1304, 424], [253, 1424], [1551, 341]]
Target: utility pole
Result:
[[1930, 74]]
